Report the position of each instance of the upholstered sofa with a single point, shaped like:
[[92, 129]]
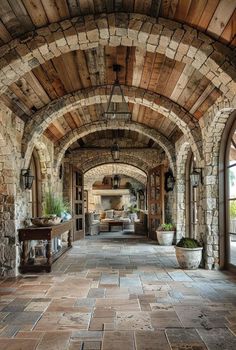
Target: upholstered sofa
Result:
[[92, 224], [111, 215]]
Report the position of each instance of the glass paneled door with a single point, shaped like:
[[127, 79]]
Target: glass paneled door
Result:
[[155, 200], [231, 197], [78, 205]]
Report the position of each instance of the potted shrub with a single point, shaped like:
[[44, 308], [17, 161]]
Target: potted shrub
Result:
[[165, 234], [188, 253]]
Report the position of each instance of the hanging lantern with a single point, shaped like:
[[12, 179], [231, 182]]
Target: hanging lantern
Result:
[[116, 181], [117, 107]]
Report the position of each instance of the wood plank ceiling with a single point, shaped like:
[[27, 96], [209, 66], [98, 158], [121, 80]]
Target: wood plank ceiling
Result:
[[81, 69], [215, 17], [105, 138]]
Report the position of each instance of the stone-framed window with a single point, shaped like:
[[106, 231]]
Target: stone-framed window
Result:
[[35, 192], [230, 196], [192, 200]]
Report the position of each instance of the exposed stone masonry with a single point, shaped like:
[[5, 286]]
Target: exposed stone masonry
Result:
[[175, 40]]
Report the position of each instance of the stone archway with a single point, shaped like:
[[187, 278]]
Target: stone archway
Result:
[[144, 159], [160, 35], [121, 169], [42, 119], [8, 200], [212, 134], [71, 137], [182, 150]]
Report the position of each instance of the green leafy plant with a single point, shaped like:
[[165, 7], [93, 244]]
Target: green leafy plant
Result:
[[166, 227], [54, 205], [232, 209], [188, 243], [132, 209]]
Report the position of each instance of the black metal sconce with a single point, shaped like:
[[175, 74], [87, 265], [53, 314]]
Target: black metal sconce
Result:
[[116, 182], [27, 179], [61, 172], [169, 181], [196, 177], [115, 151]]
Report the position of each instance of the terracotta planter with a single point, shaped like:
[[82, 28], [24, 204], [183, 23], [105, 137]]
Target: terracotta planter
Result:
[[188, 258], [165, 237]]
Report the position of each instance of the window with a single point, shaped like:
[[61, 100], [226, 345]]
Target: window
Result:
[[231, 196], [192, 197], [35, 193]]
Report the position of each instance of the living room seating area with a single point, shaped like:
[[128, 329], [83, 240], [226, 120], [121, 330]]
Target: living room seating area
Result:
[[115, 220]]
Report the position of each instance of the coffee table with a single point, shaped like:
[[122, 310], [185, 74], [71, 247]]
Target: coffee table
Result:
[[115, 223]]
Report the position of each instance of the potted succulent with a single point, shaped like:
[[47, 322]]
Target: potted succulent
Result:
[[165, 234], [188, 253]]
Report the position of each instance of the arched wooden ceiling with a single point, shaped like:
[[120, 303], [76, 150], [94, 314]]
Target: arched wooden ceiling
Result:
[[110, 169], [105, 138], [75, 70], [216, 18]]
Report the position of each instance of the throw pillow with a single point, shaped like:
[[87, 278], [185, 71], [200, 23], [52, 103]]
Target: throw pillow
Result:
[[109, 214]]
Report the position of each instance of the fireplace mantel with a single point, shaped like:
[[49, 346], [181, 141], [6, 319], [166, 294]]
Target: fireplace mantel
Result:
[[117, 192]]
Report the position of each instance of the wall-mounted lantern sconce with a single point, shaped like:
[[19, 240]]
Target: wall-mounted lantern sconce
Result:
[[61, 172], [115, 151], [116, 181], [196, 177], [169, 181], [141, 195], [27, 179]]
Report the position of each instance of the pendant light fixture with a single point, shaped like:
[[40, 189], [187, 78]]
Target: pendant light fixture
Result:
[[117, 108]]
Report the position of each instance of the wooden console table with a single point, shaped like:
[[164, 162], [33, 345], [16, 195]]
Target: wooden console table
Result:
[[43, 233]]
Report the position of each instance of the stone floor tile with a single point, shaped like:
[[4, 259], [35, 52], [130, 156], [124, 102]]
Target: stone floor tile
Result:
[[218, 339], [54, 341], [133, 321], [9, 331], [185, 339], [118, 340], [18, 344], [151, 340], [82, 296], [164, 319], [21, 318]]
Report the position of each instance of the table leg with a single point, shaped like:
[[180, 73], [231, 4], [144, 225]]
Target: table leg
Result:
[[49, 254], [69, 243], [24, 253]]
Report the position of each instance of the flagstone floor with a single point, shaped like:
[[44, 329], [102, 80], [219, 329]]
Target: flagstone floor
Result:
[[118, 292]]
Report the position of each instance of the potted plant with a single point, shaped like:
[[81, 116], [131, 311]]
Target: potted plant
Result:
[[165, 234], [54, 209], [132, 209], [188, 253]]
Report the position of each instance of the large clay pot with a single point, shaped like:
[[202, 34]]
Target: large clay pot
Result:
[[165, 237], [188, 258]]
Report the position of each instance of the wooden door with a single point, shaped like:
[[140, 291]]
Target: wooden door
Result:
[[156, 205], [78, 205]]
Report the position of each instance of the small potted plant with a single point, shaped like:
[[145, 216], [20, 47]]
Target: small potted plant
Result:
[[165, 234], [188, 253]]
